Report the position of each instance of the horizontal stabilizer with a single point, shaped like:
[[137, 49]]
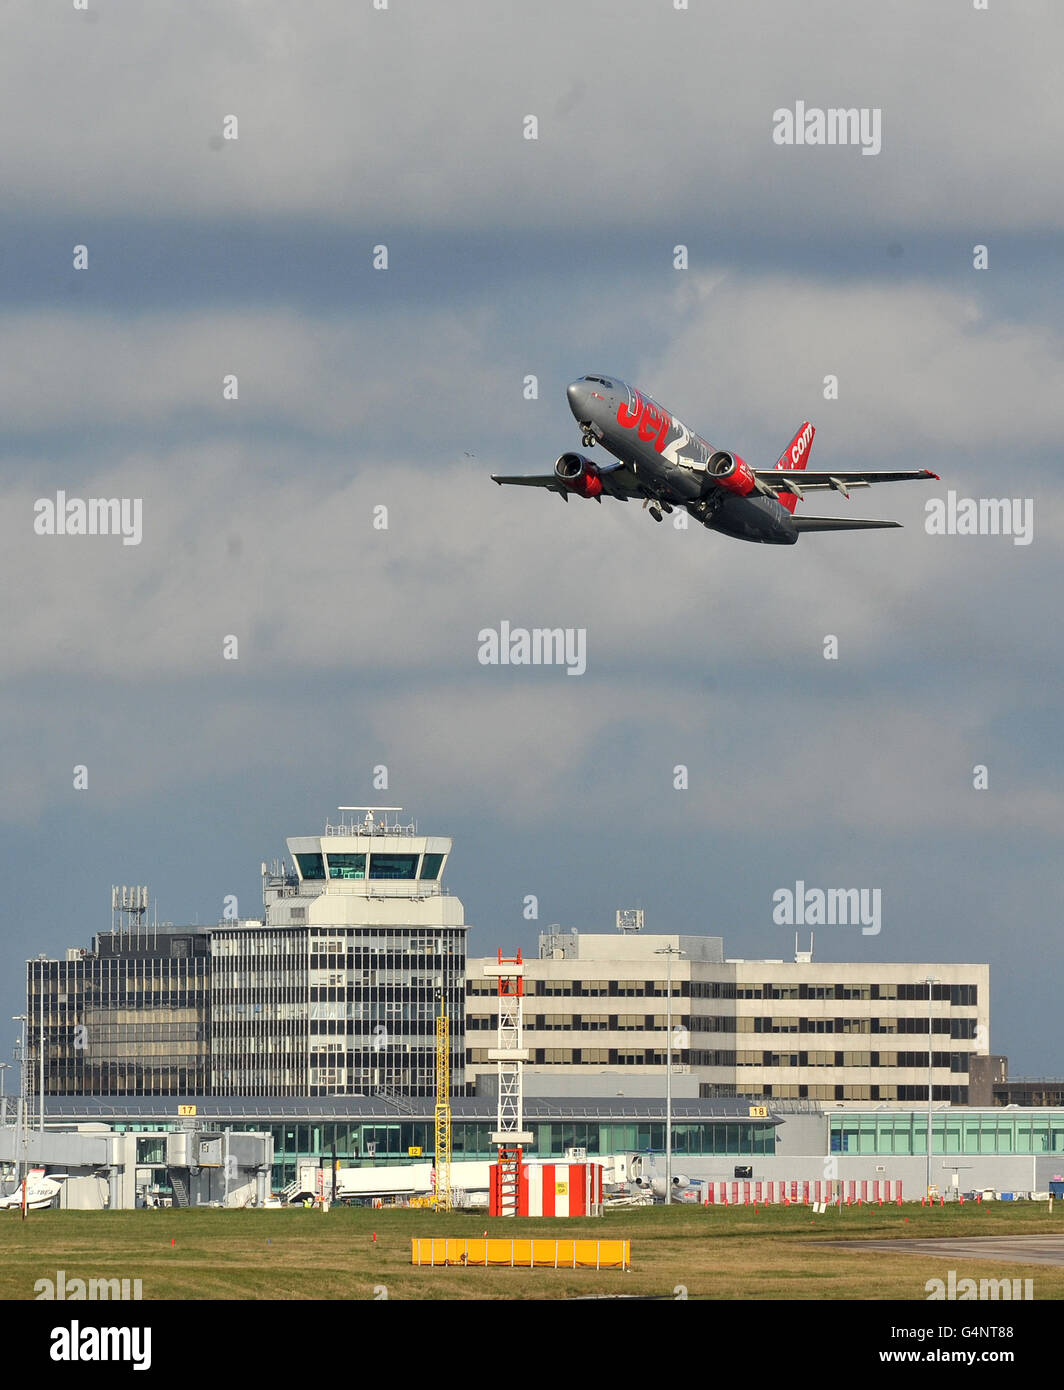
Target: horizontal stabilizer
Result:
[[836, 523], [841, 480]]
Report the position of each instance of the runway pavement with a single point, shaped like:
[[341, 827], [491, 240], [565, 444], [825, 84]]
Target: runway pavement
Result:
[[1035, 1250]]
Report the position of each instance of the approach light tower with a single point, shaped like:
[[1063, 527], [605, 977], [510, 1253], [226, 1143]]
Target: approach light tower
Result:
[[442, 1149], [510, 1053]]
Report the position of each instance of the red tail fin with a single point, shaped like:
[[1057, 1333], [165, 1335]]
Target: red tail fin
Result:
[[795, 456]]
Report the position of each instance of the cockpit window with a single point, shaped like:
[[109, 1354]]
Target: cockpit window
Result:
[[601, 380]]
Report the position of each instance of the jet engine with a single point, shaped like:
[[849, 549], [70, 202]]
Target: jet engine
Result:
[[731, 472], [659, 1186], [579, 475]]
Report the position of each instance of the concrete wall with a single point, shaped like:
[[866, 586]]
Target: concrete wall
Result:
[[551, 1082], [1017, 1173], [83, 1194], [802, 1134]]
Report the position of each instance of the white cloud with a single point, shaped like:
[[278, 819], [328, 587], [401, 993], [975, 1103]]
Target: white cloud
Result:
[[276, 542], [335, 378], [919, 369], [394, 118]]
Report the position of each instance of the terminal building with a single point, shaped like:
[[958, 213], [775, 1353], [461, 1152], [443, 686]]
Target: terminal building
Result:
[[308, 1036], [596, 1022], [334, 991], [123, 1142]]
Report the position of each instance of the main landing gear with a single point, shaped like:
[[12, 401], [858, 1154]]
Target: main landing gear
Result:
[[655, 507], [588, 440]]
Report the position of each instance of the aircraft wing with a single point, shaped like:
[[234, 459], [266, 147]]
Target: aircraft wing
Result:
[[615, 481], [547, 480], [799, 480]]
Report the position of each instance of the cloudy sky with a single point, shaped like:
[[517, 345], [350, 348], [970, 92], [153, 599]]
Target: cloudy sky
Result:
[[361, 388]]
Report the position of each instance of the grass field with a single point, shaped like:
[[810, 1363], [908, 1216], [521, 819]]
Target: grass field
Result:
[[717, 1253]]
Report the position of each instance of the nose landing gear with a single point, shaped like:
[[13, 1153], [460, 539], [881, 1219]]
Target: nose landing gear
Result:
[[704, 510]]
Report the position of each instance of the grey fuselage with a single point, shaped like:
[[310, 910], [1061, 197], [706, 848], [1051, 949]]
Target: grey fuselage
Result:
[[663, 460]]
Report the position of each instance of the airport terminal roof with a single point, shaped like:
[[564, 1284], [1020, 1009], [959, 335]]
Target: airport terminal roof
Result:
[[366, 1108]]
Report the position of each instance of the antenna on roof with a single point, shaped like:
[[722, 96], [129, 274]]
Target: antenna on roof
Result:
[[630, 920], [367, 825]]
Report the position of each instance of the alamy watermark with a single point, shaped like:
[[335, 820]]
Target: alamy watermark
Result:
[[980, 516], [811, 125], [816, 907], [74, 1288], [92, 516], [77, 1343], [965, 1290], [537, 646]]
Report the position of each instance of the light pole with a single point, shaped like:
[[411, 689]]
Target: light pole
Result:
[[668, 952], [40, 1036], [4, 1066], [20, 1111], [931, 980]]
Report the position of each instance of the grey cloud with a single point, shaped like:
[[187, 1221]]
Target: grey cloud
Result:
[[388, 117]]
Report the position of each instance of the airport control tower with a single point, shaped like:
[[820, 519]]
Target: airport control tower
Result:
[[336, 991]]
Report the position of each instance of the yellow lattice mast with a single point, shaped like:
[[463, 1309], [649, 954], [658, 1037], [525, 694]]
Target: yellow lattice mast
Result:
[[443, 1111]]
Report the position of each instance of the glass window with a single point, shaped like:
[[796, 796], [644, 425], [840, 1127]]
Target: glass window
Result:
[[953, 1135], [392, 865], [311, 865], [347, 866], [151, 1150], [622, 1136], [430, 866]]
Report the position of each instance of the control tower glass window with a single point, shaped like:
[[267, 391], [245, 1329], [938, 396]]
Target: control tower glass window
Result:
[[430, 865], [347, 866], [392, 865], [311, 865]]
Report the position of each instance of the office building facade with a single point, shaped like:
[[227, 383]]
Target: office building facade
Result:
[[130, 1016], [595, 1006], [335, 991]]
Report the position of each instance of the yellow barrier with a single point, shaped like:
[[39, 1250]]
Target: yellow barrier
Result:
[[521, 1254]]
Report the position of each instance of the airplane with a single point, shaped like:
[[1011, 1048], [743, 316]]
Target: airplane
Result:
[[41, 1192], [656, 457], [643, 1174]]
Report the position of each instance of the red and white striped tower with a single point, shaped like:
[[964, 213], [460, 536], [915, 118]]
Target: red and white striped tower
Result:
[[510, 1054]]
